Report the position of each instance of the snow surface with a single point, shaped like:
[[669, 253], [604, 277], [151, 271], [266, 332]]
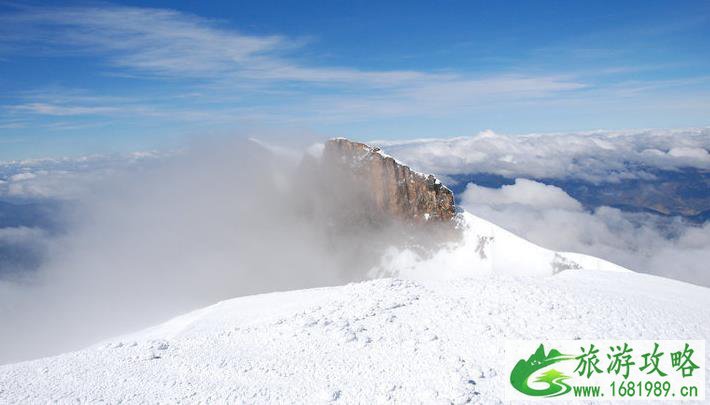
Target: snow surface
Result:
[[435, 334], [485, 248]]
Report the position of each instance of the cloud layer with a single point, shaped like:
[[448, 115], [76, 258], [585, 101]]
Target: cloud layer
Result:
[[548, 216], [155, 236], [167, 69], [597, 157], [160, 43], [220, 220], [67, 178]]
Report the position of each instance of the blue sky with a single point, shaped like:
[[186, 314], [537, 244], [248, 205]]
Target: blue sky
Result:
[[102, 77]]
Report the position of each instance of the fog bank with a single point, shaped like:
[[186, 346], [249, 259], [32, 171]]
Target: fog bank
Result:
[[224, 219]]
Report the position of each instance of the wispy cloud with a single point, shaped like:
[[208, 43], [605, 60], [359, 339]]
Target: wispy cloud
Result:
[[155, 41], [12, 124], [60, 110], [173, 44], [169, 44], [216, 75]]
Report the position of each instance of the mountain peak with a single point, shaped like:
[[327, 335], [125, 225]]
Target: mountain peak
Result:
[[393, 188]]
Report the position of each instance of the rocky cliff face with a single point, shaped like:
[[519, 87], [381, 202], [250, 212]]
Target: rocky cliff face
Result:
[[389, 187]]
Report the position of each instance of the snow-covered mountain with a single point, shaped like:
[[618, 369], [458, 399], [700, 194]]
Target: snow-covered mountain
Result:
[[431, 331], [486, 248]]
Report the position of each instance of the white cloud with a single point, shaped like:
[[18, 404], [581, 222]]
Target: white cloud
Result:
[[693, 154], [54, 184], [546, 215], [148, 40], [162, 43], [51, 109], [600, 156], [221, 76], [14, 235], [22, 176], [170, 43], [67, 178], [524, 192], [218, 221]]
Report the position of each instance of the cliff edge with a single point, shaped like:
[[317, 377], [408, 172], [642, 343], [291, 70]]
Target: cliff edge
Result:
[[392, 188]]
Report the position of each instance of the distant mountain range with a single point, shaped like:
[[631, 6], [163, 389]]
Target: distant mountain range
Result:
[[684, 192], [23, 229], [40, 214]]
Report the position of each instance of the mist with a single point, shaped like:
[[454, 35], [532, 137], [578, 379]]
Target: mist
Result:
[[225, 218], [230, 217], [548, 216]]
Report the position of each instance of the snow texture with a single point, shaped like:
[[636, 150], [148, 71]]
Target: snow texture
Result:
[[433, 337]]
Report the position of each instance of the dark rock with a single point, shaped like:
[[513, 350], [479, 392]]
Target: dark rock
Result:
[[390, 188]]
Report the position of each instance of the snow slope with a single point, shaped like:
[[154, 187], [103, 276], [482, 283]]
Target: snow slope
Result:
[[427, 338], [486, 248]]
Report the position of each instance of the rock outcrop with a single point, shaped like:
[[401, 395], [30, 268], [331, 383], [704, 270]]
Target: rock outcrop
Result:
[[390, 187]]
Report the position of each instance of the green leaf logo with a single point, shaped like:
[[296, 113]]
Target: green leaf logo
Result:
[[524, 369]]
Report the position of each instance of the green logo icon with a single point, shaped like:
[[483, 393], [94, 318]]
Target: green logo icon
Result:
[[555, 380]]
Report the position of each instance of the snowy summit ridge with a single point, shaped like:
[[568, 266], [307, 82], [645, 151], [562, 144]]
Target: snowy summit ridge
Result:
[[428, 329], [386, 341]]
